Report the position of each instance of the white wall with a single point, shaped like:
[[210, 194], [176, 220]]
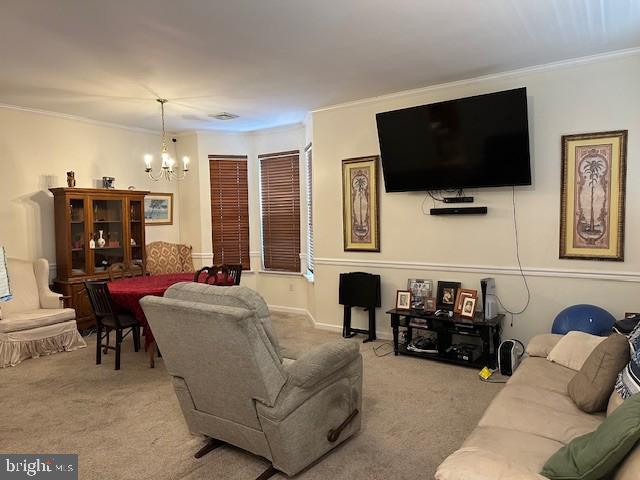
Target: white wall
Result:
[[583, 97], [279, 289], [36, 151]]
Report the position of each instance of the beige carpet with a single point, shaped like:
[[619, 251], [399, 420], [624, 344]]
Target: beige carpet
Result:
[[127, 424]]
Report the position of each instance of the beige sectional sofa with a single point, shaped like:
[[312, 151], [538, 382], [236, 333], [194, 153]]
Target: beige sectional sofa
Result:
[[529, 420]]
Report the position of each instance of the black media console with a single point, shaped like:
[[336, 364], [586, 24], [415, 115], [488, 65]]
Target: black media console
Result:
[[470, 342]]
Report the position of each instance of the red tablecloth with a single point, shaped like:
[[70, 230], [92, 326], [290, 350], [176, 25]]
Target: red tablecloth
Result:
[[126, 294]]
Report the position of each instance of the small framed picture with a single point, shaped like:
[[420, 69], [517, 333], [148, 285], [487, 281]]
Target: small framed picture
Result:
[[158, 209], [468, 307], [403, 300], [420, 288], [462, 294], [446, 298], [430, 304]]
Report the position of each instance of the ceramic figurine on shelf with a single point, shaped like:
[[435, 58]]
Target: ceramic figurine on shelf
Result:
[[71, 179], [133, 242], [92, 242], [101, 241]]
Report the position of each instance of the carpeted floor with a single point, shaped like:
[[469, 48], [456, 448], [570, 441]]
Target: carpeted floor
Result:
[[127, 424]]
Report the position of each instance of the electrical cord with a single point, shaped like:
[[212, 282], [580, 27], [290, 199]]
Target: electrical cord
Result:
[[524, 278], [379, 347]]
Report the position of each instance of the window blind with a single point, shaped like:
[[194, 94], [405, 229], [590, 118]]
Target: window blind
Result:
[[309, 185], [280, 202], [229, 210]]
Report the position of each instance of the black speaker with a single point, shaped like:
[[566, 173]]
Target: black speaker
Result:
[[359, 289]]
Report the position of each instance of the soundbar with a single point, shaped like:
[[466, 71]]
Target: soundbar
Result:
[[458, 199], [459, 211]]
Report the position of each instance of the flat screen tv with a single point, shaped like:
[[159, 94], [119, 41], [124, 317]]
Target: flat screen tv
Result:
[[480, 141]]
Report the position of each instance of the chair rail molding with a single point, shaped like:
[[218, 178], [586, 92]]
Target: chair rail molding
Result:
[[623, 276]]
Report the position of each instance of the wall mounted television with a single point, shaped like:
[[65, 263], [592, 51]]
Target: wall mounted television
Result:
[[480, 141]]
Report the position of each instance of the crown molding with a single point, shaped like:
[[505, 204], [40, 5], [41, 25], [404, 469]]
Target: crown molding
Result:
[[77, 118], [561, 64]]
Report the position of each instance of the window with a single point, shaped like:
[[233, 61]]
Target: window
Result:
[[309, 182], [280, 202], [229, 209]]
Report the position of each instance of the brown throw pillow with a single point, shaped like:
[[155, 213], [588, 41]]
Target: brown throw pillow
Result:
[[591, 387]]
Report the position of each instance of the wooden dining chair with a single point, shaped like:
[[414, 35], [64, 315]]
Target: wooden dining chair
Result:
[[222, 275], [108, 319], [119, 270]]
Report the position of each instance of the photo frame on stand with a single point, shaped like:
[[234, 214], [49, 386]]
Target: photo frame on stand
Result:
[[468, 307], [446, 298], [461, 295], [403, 300]]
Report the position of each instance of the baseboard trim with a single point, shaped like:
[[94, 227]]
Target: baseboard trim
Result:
[[484, 270], [381, 334]]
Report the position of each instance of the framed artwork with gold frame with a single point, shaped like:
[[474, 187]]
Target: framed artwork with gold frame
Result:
[[158, 209], [361, 221], [592, 196]]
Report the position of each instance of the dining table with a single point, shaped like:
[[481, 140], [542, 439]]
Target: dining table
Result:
[[127, 292]]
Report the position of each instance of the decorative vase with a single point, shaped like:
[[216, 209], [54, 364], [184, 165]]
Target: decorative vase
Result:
[[92, 242], [101, 241]]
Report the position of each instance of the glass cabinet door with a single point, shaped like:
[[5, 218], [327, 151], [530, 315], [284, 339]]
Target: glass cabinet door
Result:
[[78, 236], [107, 233], [136, 229]]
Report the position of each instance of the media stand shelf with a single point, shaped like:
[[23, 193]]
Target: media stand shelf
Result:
[[450, 332]]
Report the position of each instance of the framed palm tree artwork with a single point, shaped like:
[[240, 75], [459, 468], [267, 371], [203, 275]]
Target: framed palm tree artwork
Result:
[[361, 222], [592, 196]]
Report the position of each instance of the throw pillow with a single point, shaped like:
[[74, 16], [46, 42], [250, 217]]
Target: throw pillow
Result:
[[629, 378], [597, 454], [541, 345], [573, 349], [634, 338], [591, 387]]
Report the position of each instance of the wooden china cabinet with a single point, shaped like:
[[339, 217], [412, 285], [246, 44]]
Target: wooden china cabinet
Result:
[[114, 220]]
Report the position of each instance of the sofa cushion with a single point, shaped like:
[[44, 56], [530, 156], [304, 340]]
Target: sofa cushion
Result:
[[541, 345], [597, 454], [539, 412], [615, 400], [591, 388], [473, 463], [630, 467], [526, 450], [39, 317], [541, 373], [573, 349]]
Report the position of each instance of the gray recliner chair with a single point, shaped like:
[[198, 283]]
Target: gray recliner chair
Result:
[[234, 386]]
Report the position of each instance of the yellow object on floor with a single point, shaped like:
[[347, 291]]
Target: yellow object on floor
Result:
[[485, 373]]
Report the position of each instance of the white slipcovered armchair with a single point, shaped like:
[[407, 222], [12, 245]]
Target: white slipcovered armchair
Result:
[[35, 321]]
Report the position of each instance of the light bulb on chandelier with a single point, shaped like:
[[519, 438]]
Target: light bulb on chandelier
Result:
[[167, 170]]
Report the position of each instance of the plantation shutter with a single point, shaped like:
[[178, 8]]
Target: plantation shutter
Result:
[[309, 182], [280, 196], [229, 210]]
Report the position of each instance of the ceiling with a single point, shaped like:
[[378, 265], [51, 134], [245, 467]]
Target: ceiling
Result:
[[271, 61]]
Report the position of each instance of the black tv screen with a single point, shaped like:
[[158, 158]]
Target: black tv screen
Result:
[[480, 141]]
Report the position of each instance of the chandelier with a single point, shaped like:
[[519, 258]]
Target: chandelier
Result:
[[167, 168]]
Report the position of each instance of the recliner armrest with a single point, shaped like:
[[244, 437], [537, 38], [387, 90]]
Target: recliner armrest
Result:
[[318, 364]]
